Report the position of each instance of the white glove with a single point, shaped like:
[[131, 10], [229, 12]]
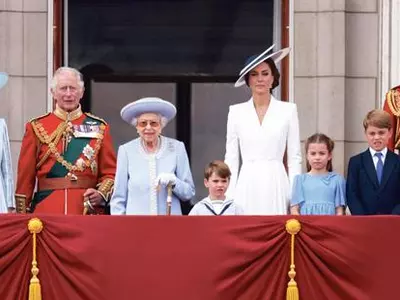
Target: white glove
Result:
[[165, 179]]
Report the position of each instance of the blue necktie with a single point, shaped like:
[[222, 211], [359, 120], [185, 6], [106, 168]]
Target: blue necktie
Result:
[[379, 166]]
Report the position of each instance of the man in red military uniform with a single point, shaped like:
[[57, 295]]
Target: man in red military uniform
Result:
[[392, 106], [68, 153]]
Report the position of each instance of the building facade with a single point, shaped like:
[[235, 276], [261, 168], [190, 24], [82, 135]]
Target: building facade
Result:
[[345, 56]]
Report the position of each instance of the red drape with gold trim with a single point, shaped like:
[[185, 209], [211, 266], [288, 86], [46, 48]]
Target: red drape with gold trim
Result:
[[103, 257]]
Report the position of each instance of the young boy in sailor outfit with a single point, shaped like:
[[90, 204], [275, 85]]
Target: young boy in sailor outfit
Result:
[[216, 179]]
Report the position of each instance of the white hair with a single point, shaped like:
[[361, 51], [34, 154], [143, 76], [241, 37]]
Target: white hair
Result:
[[79, 76], [163, 120]]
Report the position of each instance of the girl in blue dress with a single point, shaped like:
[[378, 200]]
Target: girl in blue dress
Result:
[[320, 191]]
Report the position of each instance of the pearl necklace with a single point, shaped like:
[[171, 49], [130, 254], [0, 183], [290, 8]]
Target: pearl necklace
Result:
[[151, 152]]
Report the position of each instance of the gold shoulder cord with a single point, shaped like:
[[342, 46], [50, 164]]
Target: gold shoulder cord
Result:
[[45, 139], [392, 97], [53, 140]]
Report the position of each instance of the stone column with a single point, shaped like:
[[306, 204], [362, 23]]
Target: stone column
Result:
[[319, 71], [23, 55], [362, 75]]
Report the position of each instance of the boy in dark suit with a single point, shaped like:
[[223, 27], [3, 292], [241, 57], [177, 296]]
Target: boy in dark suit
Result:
[[373, 178]]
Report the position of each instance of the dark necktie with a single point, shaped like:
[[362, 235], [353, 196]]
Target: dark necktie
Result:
[[379, 166]]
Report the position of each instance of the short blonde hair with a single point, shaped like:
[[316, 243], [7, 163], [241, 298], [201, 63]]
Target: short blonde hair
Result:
[[377, 118]]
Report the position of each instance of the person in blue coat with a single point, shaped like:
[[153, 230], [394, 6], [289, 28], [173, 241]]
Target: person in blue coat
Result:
[[147, 165], [7, 200]]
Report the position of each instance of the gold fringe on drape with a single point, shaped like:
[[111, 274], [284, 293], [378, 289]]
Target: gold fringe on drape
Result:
[[292, 293], [35, 226]]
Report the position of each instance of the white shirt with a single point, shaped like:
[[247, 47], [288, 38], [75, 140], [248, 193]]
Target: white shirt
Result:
[[375, 158]]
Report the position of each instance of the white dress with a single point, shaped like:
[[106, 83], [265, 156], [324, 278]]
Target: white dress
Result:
[[263, 186]]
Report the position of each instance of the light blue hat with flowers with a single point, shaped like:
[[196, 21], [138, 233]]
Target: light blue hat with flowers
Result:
[[3, 79], [148, 105]]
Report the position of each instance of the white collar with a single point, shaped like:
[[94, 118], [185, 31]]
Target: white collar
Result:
[[383, 151], [220, 202]]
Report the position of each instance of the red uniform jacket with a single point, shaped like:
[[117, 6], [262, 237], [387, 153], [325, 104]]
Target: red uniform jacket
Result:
[[62, 155], [392, 106]]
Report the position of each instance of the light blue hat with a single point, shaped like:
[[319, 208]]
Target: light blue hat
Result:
[[3, 79], [255, 60], [148, 105]]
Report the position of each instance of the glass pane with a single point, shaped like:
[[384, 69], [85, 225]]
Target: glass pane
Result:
[[174, 37], [109, 97], [210, 106]]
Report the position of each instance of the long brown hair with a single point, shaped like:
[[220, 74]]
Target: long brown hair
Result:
[[320, 138]]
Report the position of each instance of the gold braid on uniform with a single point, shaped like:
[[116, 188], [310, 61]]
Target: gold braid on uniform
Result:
[[392, 99], [105, 188], [53, 140], [54, 137]]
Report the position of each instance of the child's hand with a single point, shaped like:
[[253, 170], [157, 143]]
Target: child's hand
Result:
[[295, 210]]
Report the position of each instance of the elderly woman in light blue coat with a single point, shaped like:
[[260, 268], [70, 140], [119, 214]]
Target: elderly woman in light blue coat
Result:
[[7, 200], [151, 162]]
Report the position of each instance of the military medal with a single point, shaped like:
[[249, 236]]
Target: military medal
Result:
[[88, 151], [80, 163], [93, 166]]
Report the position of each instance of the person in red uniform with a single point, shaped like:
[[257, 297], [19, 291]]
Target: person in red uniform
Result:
[[392, 106], [67, 155]]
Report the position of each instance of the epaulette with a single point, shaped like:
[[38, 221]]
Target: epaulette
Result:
[[39, 117], [96, 118]]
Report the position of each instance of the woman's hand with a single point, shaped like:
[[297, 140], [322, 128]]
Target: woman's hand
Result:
[[165, 179]]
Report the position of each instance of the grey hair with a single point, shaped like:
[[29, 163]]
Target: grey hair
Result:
[[163, 120], [79, 76]]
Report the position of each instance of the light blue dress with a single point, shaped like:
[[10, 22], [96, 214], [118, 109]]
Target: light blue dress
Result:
[[319, 194], [135, 192], [6, 173]]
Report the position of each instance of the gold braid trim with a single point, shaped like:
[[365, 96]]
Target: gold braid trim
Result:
[[53, 140], [55, 137], [42, 135], [105, 188], [392, 97], [20, 203]]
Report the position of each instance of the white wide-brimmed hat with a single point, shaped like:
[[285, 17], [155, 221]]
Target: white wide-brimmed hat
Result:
[[3, 79], [148, 105], [255, 60]]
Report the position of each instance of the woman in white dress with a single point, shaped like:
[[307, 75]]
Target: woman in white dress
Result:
[[260, 130], [7, 200]]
